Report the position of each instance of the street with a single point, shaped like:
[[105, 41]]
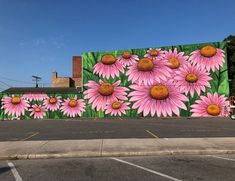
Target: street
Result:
[[162, 167], [82, 128], [190, 167]]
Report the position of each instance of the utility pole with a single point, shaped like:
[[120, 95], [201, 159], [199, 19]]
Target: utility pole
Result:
[[36, 79]]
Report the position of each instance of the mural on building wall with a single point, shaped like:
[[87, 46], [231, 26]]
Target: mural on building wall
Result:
[[189, 80], [39, 106]]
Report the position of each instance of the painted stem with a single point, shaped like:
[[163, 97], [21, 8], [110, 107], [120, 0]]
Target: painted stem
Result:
[[218, 78], [190, 102]]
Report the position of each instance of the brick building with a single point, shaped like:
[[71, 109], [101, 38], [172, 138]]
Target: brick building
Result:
[[75, 80]]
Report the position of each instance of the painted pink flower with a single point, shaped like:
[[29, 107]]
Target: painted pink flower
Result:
[[14, 105], [208, 57], [116, 107], [101, 93], [155, 54], [190, 79], [146, 71], [161, 98], [108, 67], [35, 96], [73, 107], [127, 59], [37, 111], [212, 105], [176, 59], [52, 103]]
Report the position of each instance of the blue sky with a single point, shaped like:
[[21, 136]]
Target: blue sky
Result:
[[40, 36]]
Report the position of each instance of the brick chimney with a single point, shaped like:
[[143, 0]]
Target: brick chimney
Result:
[[77, 67], [77, 71], [54, 75]]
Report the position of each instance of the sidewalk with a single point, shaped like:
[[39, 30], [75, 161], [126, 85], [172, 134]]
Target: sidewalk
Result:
[[115, 147]]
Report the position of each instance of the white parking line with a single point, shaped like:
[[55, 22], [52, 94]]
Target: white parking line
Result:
[[155, 136], [224, 158], [14, 171], [146, 169], [30, 136]]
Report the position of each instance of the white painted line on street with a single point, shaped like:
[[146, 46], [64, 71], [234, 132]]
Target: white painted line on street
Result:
[[224, 158], [146, 169], [30, 136], [155, 136], [14, 171]]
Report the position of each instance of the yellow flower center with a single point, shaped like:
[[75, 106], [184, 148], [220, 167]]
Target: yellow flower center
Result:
[[159, 92], [73, 103], [208, 51], [52, 100], [108, 59], [126, 55], [116, 105], [37, 109], [106, 89], [15, 100], [145, 64], [191, 78], [213, 110], [153, 53], [174, 63]]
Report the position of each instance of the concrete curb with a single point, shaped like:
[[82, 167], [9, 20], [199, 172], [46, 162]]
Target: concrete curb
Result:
[[16, 150], [78, 155]]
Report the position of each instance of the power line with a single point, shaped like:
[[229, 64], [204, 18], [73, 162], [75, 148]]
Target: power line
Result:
[[4, 83], [15, 80], [24, 82]]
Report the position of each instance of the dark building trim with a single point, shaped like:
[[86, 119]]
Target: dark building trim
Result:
[[46, 90]]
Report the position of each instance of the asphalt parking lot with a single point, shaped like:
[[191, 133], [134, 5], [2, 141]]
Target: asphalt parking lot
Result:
[[191, 167], [116, 128]]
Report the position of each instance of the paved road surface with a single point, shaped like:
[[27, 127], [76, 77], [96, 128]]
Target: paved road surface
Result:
[[166, 168], [116, 128]]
